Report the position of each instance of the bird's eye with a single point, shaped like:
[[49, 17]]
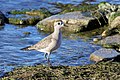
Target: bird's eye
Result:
[[58, 23]]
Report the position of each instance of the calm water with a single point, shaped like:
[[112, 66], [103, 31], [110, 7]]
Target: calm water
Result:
[[73, 52]]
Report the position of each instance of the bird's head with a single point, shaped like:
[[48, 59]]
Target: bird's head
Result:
[[59, 24]]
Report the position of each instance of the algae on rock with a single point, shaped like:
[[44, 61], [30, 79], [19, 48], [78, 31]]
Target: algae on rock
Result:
[[102, 70], [76, 22], [27, 17]]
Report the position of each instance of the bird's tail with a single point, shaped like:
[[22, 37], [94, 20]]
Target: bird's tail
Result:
[[27, 48]]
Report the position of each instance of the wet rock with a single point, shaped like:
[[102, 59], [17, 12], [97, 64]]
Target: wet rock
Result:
[[99, 71], [2, 18], [112, 13], [76, 22], [111, 16], [113, 28], [111, 42], [102, 54], [27, 17], [107, 7], [71, 8], [26, 33], [23, 19]]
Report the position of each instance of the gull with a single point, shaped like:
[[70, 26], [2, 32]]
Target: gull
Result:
[[50, 43]]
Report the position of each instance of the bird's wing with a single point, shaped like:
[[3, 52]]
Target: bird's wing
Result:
[[43, 43]]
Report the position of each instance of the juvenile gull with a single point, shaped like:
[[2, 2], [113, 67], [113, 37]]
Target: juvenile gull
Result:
[[49, 43]]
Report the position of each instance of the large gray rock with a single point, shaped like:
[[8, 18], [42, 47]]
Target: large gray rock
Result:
[[103, 53], [111, 42], [2, 18], [77, 21]]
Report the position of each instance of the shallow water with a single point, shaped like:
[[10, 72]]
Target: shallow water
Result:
[[73, 52]]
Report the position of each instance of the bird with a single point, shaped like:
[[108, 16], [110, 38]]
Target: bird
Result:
[[50, 43]]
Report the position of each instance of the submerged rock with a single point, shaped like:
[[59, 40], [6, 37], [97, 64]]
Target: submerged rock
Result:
[[76, 22], [2, 18], [102, 54]]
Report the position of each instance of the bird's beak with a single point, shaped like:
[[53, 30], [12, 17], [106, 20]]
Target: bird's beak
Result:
[[65, 25]]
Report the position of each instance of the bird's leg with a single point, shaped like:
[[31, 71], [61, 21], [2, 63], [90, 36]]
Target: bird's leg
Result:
[[45, 55], [48, 56], [48, 59]]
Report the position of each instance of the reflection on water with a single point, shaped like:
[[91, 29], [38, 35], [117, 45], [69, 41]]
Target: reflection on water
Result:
[[73, 52]]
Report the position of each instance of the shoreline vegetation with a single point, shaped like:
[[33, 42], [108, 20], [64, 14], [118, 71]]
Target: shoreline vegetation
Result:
[[101, 19]]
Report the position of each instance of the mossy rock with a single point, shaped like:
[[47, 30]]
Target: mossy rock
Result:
[[14, 12], [27, 17], [113, 28], [24, 20], [102, 70], [43, 13], [3, 19], [71, 8], [76, 21], [107, 7]]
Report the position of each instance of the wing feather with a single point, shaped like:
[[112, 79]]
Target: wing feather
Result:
[[43, 43]]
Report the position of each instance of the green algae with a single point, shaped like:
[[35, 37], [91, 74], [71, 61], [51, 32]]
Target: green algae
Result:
[[113, 15], [81, 7], [99, 71], [27, 17], [23, 21], [14, 12]]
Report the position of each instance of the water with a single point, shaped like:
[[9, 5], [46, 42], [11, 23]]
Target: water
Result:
[[73, 52]]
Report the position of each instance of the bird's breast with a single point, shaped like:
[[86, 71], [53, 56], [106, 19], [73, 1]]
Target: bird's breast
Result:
[[58, 41]]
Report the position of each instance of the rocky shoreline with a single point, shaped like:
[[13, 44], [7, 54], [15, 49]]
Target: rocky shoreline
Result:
[[103, 15], [99, 71]]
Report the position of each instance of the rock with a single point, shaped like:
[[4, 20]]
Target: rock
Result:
[[107, 7], [111, 42], [71, 7], [77, 21], [113, 28], [96, 39], [2, 18], [27, 17], [23, 19], [100, 71], [111, 16], [103, 53]]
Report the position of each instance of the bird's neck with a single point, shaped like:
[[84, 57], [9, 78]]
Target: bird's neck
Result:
[[57, 33]]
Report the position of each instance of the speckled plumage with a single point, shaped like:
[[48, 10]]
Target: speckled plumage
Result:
[[51, 42]]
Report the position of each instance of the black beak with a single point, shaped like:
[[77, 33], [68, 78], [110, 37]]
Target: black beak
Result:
[[65, 25]]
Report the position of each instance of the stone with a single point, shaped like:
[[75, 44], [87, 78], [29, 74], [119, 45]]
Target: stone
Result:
[[102, 54], [76, 22], [27, 17], [2, 18], [111, 42], [23, 19], [113, 28]]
